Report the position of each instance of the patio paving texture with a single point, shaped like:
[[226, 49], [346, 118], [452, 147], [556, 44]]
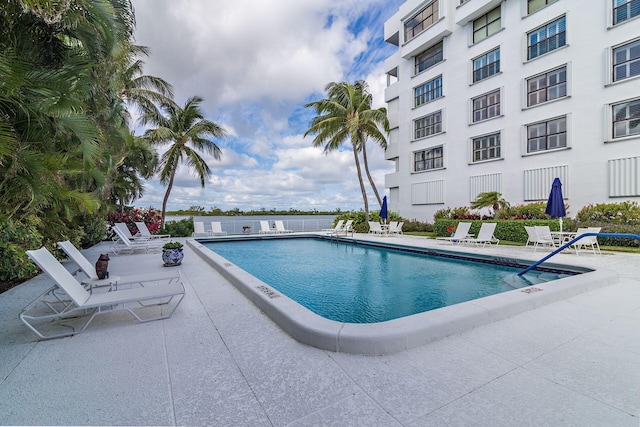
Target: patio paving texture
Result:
[[219, 361]]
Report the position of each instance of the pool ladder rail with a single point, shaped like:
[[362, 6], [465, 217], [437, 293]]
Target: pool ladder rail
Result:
[[571, 242]]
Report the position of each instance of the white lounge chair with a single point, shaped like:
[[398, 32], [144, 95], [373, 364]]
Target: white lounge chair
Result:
[[375, 228], [216, 229], [345, 229], [124, 231], [461, 233], [337, 227], [122, 243], [544, 237], [143, 231], [395, 227], [113, 281], [280, 228], [198, 230], [534, 240], [50, 316], [589, 242], [265, 228], [485, 235]]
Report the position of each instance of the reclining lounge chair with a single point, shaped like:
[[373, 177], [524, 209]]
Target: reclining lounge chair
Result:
[[485, 235], [143, 231], [280, 227], [461, 233], [123, 243], [92, 278], [50, 316]]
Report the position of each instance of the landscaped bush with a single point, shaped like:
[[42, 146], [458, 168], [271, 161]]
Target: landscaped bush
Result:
[[15, 239], [622, 217], [151, 217], [180, 228], [416, 226], [461, 212], [528, 211]]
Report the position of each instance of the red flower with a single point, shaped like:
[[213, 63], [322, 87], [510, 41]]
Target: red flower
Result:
[[451, 228]]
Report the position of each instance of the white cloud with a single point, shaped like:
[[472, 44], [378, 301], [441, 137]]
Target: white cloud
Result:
[[256, 63]]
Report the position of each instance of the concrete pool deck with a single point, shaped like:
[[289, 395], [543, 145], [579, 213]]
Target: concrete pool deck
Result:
[[220, 361]]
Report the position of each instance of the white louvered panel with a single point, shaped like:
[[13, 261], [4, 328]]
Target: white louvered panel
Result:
[[537, 182], [483, 184], [624, 177], [427, 193]]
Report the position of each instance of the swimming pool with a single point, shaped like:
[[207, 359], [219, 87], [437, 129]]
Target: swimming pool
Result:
[[357, 283], [410, 331]]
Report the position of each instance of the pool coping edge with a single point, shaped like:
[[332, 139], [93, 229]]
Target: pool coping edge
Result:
[[398, 334]]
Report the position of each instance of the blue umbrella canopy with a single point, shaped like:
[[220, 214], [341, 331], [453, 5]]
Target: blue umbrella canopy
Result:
[[555, 204], [383, 210]]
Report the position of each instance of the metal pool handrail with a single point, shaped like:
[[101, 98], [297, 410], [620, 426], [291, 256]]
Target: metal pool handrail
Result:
[[575, 239]]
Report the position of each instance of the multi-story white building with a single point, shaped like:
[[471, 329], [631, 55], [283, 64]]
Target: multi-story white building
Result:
[[506, 95]]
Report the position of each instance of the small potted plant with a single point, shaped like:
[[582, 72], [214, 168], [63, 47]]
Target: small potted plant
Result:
[[172, 254]]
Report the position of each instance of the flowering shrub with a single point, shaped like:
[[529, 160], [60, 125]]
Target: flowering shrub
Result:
[[151, 217], [527, 211]]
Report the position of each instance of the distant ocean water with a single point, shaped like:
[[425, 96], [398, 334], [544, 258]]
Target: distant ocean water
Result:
[[235, 224]]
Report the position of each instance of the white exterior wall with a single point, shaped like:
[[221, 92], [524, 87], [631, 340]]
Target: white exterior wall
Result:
[[584, 166]]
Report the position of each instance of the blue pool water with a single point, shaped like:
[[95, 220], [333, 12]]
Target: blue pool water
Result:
[[353, 283]]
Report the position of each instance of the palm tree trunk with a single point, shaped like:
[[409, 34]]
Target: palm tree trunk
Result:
[[366, 169], [364, 191], [166, 195]]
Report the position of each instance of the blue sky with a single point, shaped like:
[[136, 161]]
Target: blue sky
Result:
[[256, 63]]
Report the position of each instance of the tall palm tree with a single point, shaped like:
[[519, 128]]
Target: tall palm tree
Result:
[[491, 199], [346, 114], [186, 130]]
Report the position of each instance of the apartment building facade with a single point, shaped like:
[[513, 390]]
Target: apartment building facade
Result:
[[506, 95]]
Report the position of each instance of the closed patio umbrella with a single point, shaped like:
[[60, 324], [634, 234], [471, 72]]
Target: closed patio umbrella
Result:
[[555, 204], [384, 214]]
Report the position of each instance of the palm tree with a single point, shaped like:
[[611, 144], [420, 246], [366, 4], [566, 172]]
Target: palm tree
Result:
[[347, 114], [491, 199], [186, 130]]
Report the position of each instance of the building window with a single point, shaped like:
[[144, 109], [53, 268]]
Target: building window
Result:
[[547, 135], [546, 87], [486, 65], [535, 5], [428, 159], [486, 106], [486, 25], [486, 147], [420, 22], [625, 9], [428, 91], [547, 38], [428, 58], [626, 61], [428, 125], [626, 119]]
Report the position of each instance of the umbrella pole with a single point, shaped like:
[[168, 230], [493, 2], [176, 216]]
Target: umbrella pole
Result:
[[560, 225]]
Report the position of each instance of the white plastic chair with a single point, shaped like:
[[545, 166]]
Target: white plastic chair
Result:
[[461, 233], [143, 230], [216, 229], [43, 314], [485, 235], [280, 228], [589, 242]]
